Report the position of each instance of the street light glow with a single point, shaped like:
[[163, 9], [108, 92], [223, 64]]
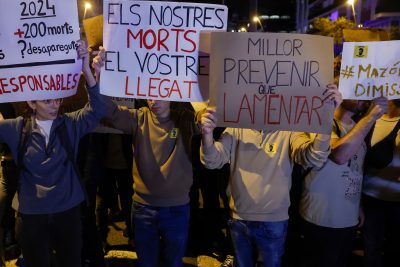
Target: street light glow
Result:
[[256, 19], [87, 6], [351, 3]]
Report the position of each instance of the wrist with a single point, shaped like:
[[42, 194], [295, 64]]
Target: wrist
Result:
[[207, 140], [322, 142]]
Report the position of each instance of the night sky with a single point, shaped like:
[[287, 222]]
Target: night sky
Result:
[[239, 12]]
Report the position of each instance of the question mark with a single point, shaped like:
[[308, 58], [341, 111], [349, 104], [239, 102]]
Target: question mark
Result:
[[23, 49]]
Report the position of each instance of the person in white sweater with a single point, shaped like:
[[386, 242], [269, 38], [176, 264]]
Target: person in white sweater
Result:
[[330, 198], [260, 178]]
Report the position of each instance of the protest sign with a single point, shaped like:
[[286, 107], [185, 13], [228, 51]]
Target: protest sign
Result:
[[38, 41], [272, 81], [152, 48], [370, 70], [365, 35]]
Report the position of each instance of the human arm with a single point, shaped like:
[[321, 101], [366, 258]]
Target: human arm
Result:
[[88, 117], [118, 117], [343, 148], [83, 54], [208, 122], [214, 155], [333, 98], [313, 150]]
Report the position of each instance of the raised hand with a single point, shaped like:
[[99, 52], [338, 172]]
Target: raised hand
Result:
[[208, 121], [378, 107], [83, 53], [98, 61], [332, 95]]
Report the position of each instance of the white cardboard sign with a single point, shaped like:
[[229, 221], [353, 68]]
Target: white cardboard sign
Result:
[[38, 41], [153, 48], [370, 70]]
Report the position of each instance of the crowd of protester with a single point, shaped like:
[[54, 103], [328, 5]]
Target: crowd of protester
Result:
[[65, 181]]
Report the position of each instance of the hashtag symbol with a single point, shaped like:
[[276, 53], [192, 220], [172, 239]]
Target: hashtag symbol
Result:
[[347, 72]]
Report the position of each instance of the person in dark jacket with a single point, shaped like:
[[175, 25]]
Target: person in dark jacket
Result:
[[49, 188]]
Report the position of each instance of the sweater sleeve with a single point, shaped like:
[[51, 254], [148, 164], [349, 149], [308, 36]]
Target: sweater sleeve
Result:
[[309, 150], [217, 155], [87, 118], [120, 117]]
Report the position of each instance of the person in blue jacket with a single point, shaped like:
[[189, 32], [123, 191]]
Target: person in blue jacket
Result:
[[49, 191]]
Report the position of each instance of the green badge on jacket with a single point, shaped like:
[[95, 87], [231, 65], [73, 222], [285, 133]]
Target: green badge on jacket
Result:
[[270, 148], [174, 133]]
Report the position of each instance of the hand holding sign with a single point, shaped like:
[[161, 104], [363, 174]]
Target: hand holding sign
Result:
[[378, 107], [332, 95], [83, 54], [98, 62], [208, 121]]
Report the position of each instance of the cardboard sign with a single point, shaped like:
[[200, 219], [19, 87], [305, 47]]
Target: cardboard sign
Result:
[[38, 41], [272, 81], [370, 70], [365, 35], [152, 48], [94, 31]]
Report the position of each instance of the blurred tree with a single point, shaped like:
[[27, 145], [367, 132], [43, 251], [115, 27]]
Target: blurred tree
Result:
[[327, 27]]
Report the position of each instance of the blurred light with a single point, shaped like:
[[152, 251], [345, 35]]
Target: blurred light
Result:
[[351, 3], [256, 19], [243, 29], [360, 25], [334, 15], [87, 6]]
